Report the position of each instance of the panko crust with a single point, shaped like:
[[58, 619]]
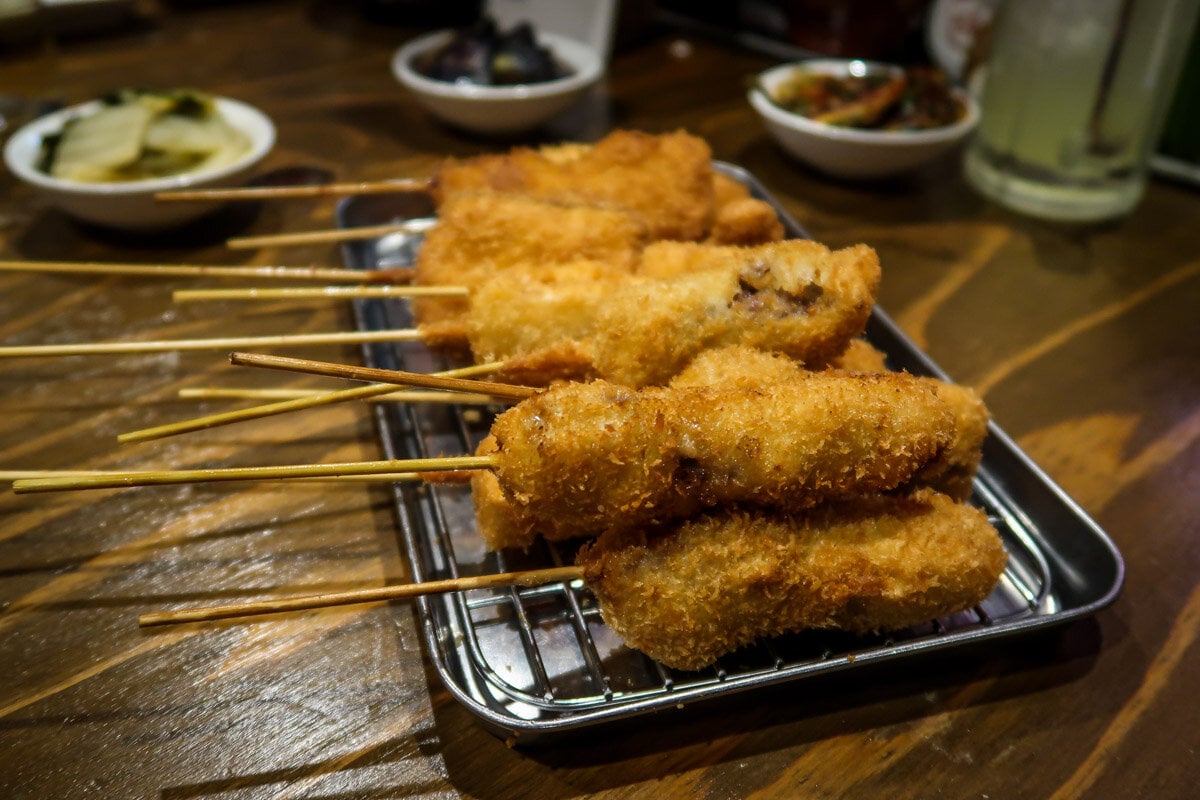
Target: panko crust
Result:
[[575, 457], [689, 593], [479, 235], [496, 519], [797, 298], [664, 181], [746, 221]]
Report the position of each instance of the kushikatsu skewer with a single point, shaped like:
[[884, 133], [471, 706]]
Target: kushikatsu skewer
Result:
[[324, 274], [667, 179], [687, 593], [574, 455]]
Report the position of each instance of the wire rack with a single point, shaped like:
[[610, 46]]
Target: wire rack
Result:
[[539, 660]]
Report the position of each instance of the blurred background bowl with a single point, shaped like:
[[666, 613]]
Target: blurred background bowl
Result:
[[856, 153], [130, 205], [500, 109]]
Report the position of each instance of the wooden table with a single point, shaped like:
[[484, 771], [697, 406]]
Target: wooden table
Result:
[[1084, 343]]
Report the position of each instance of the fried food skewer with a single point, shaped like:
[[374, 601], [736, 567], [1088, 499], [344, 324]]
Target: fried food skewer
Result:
[[765, 291], [689, 593], [572, 456]]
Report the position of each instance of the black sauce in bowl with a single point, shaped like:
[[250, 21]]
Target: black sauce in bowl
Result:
[[486, 56]]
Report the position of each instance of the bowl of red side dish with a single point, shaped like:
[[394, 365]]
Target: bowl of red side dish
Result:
[[861, 119], [496, 82]]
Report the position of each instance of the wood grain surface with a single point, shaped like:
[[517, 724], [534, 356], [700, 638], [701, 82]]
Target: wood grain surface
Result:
[[1084, 342]]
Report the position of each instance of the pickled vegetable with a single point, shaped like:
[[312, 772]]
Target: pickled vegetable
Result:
[[137, 135], [915, 99]]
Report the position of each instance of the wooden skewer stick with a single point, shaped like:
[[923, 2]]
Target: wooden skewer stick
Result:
[[398, 377], [169, 345], [285, 406], [121, 480], [333, 235], [534, 577], [394, 186], [394, 396], [13, 475], [325, 274], [318, 293]]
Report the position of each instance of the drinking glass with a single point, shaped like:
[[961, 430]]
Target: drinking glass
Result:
[[1074, 96]]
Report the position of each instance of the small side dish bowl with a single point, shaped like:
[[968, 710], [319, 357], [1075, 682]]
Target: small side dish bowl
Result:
[[499, 110], [854, 153], [131, 205]]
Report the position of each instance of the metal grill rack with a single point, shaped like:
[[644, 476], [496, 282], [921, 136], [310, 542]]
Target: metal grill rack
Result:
[[539, 660]]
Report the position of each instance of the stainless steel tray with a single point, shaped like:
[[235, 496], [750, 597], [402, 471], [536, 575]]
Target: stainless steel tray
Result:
[[539, 661]]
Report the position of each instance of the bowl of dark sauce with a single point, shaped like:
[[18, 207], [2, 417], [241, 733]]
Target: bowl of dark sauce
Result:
[[493, 81]]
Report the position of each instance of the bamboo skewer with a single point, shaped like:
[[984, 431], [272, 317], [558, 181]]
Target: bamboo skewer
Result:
[[324, 274], [534, 577], [393, 186], [333, 235], [398, 377], [13, 475], [162, 346], [121, 480], [318, 293], [284, 406], [394, 396]]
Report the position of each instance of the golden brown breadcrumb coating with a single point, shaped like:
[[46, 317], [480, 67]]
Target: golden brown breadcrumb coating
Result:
[[951, 473], [576, 457], [496, 519], [861, 356], [746, 221], [738, 366], [478, 235], [688, 593], [794, 297], [665, 182], [954, 470]]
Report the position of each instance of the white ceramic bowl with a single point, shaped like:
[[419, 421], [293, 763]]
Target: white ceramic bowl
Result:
[[853, 152], [499, 109], [130, 205]]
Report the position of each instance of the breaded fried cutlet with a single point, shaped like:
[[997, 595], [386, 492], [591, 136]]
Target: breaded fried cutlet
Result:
[[687, 593]]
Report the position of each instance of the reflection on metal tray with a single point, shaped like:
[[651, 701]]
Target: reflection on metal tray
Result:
[[537, 661]]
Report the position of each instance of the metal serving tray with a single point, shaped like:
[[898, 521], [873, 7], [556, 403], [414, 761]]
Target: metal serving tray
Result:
[[532, 662]]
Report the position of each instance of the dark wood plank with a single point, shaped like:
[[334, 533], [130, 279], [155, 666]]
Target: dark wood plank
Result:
[[1084, 342]]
